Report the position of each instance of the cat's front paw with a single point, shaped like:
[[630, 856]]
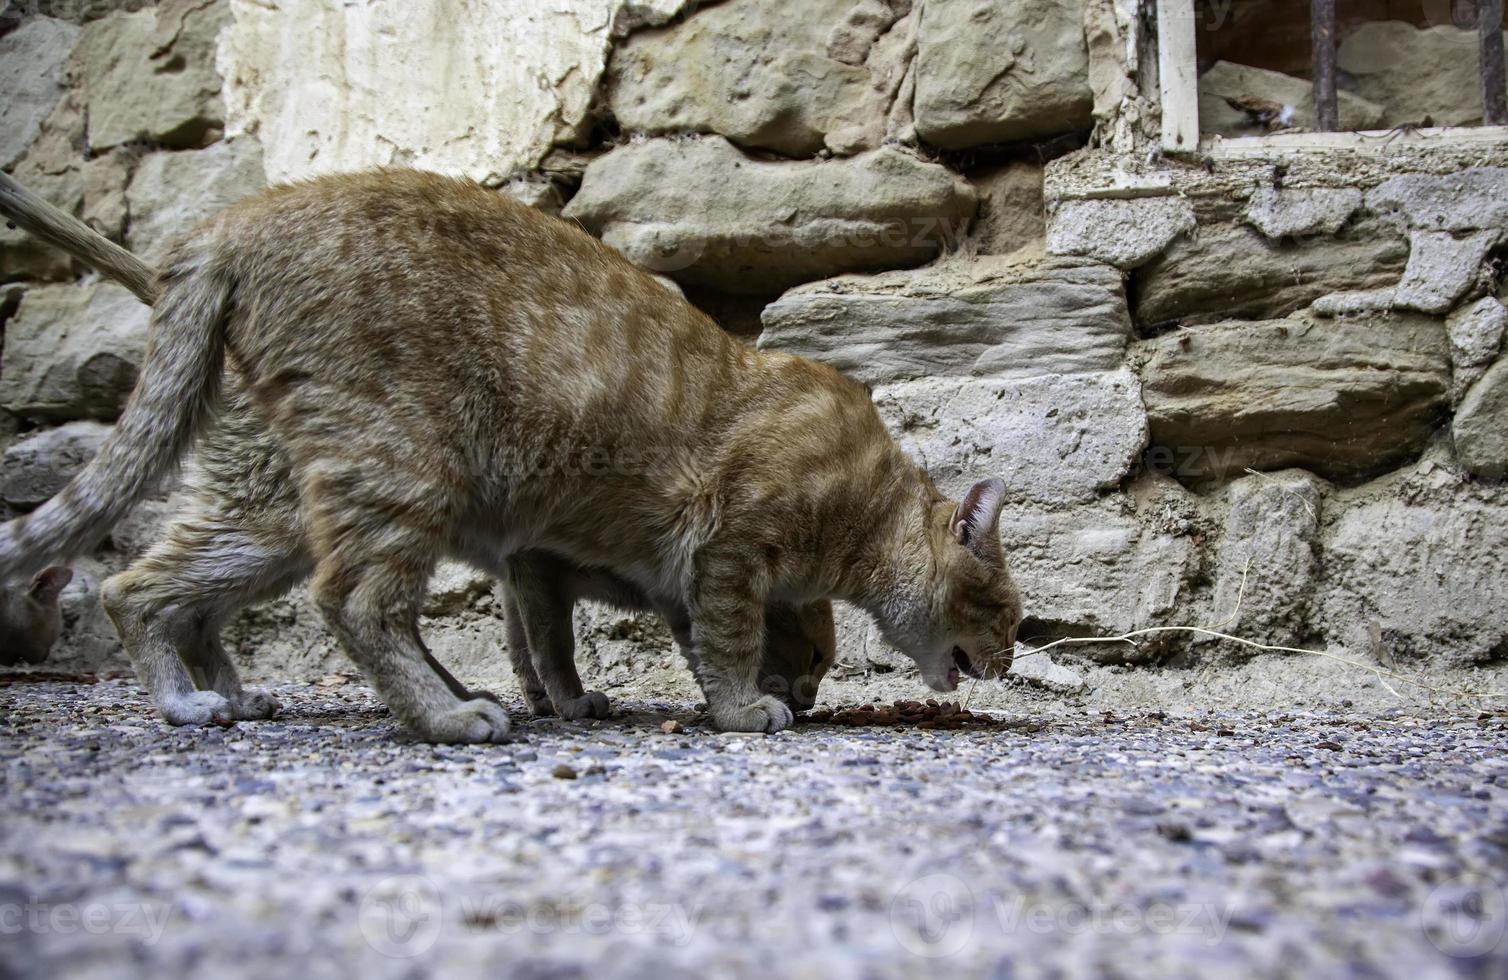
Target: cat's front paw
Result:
[[198, 708], [592, 704], [768, 714], [477, 720], [254, 705]]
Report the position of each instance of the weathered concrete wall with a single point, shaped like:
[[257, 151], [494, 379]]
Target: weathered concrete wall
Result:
[[482, 88], [1278, 378], [1340, 313]]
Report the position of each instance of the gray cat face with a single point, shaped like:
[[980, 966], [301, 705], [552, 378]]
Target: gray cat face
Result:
[[30, 620]]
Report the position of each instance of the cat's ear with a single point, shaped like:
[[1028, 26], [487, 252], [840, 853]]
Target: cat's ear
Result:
[[976, 518], [49, 583]]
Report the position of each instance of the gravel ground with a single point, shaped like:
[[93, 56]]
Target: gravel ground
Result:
[[327, 843]]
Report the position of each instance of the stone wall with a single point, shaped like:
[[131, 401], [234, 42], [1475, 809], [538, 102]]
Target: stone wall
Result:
[[1278, 379]]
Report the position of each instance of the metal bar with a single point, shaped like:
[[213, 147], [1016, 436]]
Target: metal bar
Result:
[[1322, 31], [1490, 34]]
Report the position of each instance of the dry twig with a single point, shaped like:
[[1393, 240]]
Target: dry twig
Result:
[[1382, 674]]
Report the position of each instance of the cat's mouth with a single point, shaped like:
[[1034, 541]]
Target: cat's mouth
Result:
[[962, 666]]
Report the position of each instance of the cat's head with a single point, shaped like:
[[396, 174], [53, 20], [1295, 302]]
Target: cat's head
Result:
[[801, 644], [969, 606], [30, 620]]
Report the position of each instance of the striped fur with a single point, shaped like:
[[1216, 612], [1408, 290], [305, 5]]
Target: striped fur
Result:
[[238, 537], [450, 373], [178, 389], [62, 230]]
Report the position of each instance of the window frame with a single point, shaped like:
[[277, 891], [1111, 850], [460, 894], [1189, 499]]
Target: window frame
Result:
[[1178, 95]]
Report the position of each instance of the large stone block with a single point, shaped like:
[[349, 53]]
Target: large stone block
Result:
[[171, 192], [1285, 212], [1442, 268], [763, 75], [1100, 569], [1452, 221], [1268, 567], [22, 256], [484, 88], [1481, 425], [73, 352], [150, 75], [1476, 335], [1344, 398], [1124, 233], [37, 467], [1011, 213], [51, 169], [702, 212], [1414, 566], [1231, 270], [1005, 365], [1412, 74], [1469, 200], [32, 62], [991, 72], [1053, 439], [1017, 316]]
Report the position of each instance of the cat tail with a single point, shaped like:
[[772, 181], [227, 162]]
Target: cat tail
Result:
[[178, 390], [62, 230]]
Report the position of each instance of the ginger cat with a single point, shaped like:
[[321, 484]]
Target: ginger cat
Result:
[[238, 538], [450, 373]]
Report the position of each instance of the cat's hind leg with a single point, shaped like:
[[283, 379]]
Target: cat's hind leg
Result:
[[518, 655], [376, 531], [541, 601], [170, 605]]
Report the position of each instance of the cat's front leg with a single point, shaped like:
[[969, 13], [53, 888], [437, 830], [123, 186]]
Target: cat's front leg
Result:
[[727, 635]]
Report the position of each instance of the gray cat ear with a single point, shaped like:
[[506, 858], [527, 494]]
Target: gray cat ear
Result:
[[974, 519], [49, 583]]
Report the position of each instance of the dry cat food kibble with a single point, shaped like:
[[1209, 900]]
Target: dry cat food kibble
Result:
[[921, 714]]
